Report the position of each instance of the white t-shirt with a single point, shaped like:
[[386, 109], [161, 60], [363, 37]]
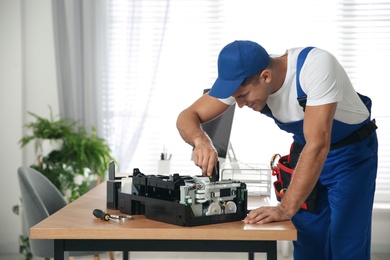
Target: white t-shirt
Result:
[[324, 81]]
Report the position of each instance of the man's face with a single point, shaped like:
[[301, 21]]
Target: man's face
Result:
[[253, 95]]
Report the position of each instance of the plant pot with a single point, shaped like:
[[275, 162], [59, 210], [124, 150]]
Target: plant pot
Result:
[[47, 146]]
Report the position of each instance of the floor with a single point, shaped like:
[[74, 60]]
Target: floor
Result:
[[186, 256], [166, 256]]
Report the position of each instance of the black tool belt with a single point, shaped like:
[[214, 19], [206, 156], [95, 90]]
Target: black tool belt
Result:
[[360, 134], [283, 166]]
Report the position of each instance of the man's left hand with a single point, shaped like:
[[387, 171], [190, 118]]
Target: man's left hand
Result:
[[264, 215]]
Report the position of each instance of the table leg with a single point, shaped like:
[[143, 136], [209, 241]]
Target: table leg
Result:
[[251, 256], [59, 252], [125, 255], [271, 250]]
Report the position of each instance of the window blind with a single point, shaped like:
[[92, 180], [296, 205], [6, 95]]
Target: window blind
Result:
[[162, 54], [364, 29]]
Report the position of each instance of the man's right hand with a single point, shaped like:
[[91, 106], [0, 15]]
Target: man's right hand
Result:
[[189, 123], [205, 156]]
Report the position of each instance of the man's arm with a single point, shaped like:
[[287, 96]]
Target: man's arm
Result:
[[189, 123], [317, 129]]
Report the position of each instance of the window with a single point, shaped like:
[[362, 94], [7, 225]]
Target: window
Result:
[[162, 54], [364, 29]]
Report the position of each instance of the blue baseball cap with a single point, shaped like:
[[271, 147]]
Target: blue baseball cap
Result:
[[236, 62]]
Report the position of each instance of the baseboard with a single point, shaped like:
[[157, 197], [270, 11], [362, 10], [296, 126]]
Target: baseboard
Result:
[[381, 248]]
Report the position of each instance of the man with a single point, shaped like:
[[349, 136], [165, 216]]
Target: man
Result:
[[337, 140]]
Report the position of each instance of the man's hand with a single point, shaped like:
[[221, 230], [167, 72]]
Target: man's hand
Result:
[[189, 122], [205, 156], [264, 215]]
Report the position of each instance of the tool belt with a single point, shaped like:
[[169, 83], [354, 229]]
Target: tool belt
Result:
[[360, 134], [283, 168]]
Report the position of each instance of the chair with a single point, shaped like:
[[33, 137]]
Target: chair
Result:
[[40, 199]]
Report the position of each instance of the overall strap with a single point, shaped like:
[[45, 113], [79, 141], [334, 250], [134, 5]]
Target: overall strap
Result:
[[301, 96]]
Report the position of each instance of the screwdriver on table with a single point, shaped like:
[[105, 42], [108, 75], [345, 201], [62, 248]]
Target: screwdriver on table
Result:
[[106, 217]]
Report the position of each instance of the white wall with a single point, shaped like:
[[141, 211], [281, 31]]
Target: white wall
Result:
[[10, 116], [27, 83]]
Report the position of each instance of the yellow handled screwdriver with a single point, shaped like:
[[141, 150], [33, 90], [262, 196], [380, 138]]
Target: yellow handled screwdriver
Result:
[[106, 217], [103, 215]]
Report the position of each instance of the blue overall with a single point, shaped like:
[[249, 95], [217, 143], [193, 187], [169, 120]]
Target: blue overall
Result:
[[340, 228]]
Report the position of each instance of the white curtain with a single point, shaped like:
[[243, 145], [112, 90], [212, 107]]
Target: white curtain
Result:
[[78, 32], [135, 34]]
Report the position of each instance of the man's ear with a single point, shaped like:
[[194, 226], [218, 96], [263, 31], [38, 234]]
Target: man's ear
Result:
[[266, 76]]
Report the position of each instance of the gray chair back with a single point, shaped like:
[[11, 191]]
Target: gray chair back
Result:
[[40, 199]]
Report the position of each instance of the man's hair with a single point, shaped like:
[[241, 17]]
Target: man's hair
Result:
[[255, 77]]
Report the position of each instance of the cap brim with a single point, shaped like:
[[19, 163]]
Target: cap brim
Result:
[[225, 88]]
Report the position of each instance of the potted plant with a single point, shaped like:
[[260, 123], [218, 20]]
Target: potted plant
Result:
[[79, 158]]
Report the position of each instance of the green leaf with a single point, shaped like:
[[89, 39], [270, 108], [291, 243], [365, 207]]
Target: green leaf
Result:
[[80, 150]]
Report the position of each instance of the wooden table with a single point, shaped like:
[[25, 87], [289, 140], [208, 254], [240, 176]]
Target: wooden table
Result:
[[74, 228]]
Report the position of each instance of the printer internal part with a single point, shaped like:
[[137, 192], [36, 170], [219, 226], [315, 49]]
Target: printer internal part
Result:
[[184, 200]]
